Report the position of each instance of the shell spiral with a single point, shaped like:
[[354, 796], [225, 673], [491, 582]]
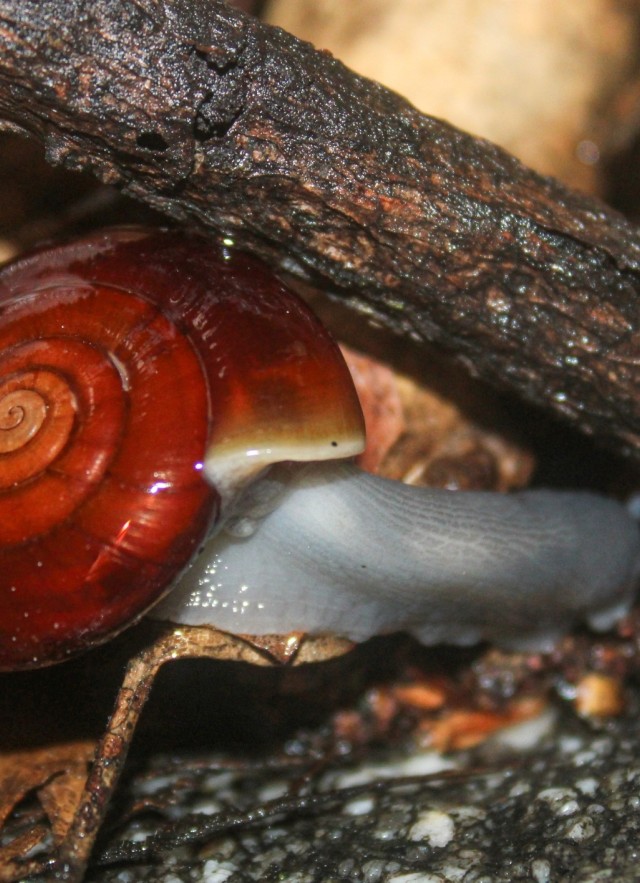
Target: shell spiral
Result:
[[116, 376]]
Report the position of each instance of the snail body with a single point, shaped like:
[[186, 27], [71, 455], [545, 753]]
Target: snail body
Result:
[[451, 567], [149, 381]]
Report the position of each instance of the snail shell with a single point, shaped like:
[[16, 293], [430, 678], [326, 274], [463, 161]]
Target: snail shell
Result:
[[131, 362]]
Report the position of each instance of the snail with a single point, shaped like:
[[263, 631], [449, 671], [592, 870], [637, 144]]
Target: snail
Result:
[[176, 438]]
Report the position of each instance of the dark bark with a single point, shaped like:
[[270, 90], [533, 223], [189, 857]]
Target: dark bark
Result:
[[217, 119]]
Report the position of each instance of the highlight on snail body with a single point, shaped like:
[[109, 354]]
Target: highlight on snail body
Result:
[[176, 437]]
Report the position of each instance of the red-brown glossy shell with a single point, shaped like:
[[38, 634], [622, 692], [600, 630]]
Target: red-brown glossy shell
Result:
[[122, 357]]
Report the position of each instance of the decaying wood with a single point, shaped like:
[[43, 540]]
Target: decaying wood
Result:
[[219, 120]]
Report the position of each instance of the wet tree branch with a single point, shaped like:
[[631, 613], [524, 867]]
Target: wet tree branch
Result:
[[219, 120]]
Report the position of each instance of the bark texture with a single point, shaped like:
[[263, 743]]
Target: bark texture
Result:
[[237, 127]]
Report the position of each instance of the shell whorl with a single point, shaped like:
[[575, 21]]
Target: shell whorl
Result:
[[93, 512]]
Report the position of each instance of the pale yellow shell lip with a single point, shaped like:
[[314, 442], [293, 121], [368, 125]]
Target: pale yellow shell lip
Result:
[[231, 466]]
